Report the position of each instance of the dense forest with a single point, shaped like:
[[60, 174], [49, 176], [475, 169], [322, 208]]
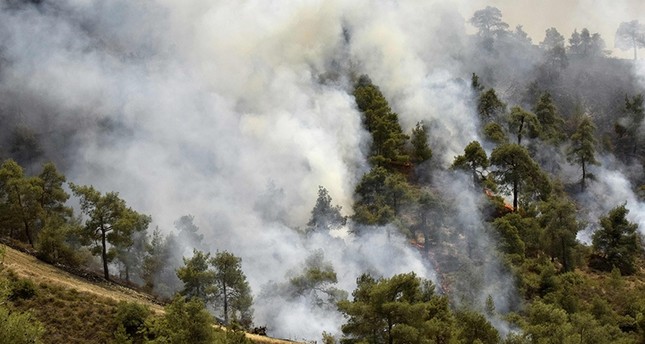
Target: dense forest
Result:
[[328, 177]]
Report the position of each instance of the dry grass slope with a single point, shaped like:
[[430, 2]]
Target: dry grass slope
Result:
[[70, 304]]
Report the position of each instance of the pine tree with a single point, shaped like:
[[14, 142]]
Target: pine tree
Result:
[[617, 242], [324, 215], [110, 224], [233, 293], [582, 150], [199, 280], [550, 121], [521, 123], [474, 160], [388, 139], [420, 150], [518, 172]]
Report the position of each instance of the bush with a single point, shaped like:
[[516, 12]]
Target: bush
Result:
[[184, 322], [132, 318], [18, 327], [53, 247], [22, 289]]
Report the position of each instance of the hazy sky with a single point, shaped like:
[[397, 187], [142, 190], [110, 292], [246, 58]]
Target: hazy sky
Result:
[[536, 16]]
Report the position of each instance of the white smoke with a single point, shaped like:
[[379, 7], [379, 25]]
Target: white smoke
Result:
[[608, 190], [235, 112]]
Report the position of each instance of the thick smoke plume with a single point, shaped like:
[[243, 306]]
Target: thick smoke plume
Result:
[[235, 112]]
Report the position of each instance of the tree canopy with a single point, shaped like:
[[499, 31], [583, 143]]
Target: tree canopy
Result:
[[617, 242], [110, 224], [630, 35]]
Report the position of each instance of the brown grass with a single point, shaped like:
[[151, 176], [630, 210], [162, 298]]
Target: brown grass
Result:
[[75, 310], [27, 266]]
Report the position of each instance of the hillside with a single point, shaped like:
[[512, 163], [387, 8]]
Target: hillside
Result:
[[68, 304], [330, 171]]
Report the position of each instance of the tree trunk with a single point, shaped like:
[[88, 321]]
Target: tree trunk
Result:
[[28, 232], [225, 302], [584, 175], [516, 187], [25, 221], [475, 178], [106, 272]]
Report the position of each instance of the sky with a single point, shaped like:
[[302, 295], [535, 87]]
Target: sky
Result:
[[535, 17]]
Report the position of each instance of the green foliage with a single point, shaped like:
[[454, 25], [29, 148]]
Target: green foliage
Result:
[[380, 194], [19, 327], [431, 210], [475, 84], [474, 328], [324, 215], [22, 289], [53, 195], [230, 336], [219, 281], [24, 145], [617, 242], [109, 221], [131, 257], [131, 319], [58, 242], [488, 22], [199, 280], [121, 336], [20, 197], [519, 173], [547, 323], [420, 150], [521, 123], [585, 44], [233, 294], [582, 150], [160, 264], [398, 309], [64, 314], [558, 219], [555, 53], [474, 160], [495, 133], [315, 282], [628, 128], [489, 106], [388, 139], [509, 236], [551, 122], [29, 204], [183, 322]]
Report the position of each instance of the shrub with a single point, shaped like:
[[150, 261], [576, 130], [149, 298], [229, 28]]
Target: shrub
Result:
[[18, 327], [22, 289], [132, 317]]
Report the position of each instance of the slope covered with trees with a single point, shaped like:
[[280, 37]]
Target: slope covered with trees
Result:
[[529, 231]]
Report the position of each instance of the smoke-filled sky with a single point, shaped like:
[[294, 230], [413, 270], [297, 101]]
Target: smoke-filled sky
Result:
[[535, 17], [236, 111]]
